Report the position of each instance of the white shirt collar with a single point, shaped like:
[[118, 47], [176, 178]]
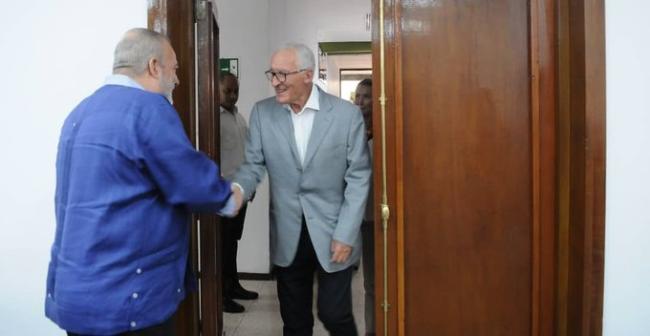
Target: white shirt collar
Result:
[[123, 80]]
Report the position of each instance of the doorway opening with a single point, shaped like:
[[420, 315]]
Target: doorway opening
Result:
[[339, 36]]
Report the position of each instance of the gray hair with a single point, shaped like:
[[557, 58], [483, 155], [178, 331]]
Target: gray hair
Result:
[[137, 47], [304, 55]]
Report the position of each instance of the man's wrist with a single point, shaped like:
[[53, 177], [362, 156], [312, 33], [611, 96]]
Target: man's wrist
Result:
[[238, 186]]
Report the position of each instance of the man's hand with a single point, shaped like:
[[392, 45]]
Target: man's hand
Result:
[[233, 204], [340, 252]]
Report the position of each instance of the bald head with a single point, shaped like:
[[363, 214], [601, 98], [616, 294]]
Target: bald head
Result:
[[137, 47], [149, 59]]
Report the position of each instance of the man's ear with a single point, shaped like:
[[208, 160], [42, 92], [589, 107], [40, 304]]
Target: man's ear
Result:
[[309, 76], [153, 67]]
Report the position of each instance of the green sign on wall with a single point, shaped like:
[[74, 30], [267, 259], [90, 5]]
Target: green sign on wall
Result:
[[229, 65]]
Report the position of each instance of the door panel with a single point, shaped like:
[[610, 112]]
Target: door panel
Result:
[[471, 170], [490, 166], [467, 154]]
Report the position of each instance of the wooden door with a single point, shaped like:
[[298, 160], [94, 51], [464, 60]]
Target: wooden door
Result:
[[192, 28], [207, 49], [470, 166]]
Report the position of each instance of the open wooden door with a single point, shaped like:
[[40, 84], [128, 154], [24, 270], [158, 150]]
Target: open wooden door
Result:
[[191, 26], [480, 153]]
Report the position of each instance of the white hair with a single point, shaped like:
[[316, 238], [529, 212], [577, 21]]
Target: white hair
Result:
[[137, 47], [304, 55]]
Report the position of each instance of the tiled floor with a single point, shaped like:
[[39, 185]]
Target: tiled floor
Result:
[[262, 316]]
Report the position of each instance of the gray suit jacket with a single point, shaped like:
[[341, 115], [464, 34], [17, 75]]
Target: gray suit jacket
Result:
[[330, 188]]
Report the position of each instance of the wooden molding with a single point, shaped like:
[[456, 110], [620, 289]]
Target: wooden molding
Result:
[[581, 170], [175, 19]]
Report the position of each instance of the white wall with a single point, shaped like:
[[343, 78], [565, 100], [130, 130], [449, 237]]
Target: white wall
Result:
[[627, 240], [313, 21], [54, 53], [243, 34]]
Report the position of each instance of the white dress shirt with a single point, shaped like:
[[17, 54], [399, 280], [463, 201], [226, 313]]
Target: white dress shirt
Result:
[[303, 121]]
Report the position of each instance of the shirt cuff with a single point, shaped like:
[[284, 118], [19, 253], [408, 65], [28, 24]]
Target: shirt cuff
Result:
[[230, 209]]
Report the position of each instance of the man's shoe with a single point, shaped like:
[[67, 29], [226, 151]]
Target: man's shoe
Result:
[[242, 294], [230, 306]]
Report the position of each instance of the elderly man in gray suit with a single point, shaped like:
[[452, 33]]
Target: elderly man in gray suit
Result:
[[313, 146]]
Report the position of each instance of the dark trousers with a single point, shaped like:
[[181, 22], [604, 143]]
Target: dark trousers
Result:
[[368, 256], [295, 285], [164, 329], [231, 232]]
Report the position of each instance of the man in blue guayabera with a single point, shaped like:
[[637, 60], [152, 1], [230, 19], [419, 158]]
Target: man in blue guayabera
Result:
[[127, 179]]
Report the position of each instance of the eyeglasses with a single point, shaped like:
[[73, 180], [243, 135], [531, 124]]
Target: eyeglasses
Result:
[[279, 75]]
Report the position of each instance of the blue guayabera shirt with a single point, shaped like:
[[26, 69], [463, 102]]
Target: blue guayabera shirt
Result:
[[127, 179]]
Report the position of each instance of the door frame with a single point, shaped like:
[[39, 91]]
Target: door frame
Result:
[[567, 68], [207, 74], [581, 169], [195, 100]]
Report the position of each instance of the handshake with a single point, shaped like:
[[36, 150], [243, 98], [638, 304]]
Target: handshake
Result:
[[234, 202]]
